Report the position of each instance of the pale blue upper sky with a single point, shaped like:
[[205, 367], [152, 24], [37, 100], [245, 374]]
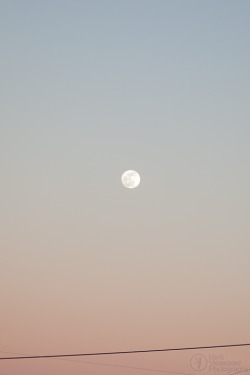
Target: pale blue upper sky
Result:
[[102, 86]]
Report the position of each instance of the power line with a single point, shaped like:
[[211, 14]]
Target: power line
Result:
[[142, 368], [240, 372], [126, 352], [114, 365], [110, 365], [127, 367]]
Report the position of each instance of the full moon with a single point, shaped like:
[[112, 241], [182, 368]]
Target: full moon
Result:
[[130, 179]]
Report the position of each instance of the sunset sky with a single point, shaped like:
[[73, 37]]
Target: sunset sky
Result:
[[89, 89]]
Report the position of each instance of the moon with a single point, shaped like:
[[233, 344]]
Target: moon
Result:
[[130, 179]]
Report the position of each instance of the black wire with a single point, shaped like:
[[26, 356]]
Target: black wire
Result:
[[128, 367], [111, 365], [126, 352]]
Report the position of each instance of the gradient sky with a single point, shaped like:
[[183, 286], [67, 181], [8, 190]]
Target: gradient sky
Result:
[[90, 89]]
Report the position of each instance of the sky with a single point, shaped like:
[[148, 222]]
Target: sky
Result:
[[88, 90]]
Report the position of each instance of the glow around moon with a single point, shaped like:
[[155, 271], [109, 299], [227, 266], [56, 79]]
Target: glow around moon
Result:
[[130, 179]]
